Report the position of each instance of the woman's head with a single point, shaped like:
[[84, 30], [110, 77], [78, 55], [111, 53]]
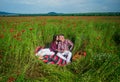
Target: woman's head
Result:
[[55, 38]]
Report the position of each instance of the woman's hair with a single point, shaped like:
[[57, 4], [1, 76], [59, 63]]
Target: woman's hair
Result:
[[54, 37]]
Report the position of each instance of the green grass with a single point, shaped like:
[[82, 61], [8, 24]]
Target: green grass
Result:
[[17, 59]]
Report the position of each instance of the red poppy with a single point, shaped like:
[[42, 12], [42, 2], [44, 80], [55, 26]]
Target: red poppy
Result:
[[44, 23], [30, 29], [2, 36], [84, 53], [68, 25], [12, 30], [15, 36], [18, 34], [11, 79], [23, 31]]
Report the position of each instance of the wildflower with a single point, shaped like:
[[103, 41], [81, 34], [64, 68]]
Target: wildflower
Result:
[[19, 34], [2, 36], [44, 23], [23, 31], [15, 36], [30, 29], [12, 30], [68, 25], [84, 53], [11, 79]]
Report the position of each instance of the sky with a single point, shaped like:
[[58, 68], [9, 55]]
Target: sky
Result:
[[59, 6]]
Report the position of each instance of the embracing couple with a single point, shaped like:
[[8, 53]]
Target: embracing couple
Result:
[[59, 46]]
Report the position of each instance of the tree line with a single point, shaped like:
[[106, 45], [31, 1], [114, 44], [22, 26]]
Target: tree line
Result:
[[69, 14]]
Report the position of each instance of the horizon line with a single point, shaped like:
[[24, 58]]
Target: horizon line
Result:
[[64, 12]]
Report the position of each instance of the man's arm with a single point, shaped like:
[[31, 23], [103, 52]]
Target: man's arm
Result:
[[71, 45]]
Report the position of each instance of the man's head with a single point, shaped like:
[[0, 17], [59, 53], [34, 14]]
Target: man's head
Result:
[[61, 37]]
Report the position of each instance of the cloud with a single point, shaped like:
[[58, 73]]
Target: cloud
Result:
[[47, 2], [38, 6]]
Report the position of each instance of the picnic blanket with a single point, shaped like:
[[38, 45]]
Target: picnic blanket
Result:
[[52, 59]]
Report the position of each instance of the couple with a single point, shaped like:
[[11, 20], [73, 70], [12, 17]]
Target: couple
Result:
[[60, 47]]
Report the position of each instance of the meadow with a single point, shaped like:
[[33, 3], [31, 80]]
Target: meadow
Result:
[[19, 36]]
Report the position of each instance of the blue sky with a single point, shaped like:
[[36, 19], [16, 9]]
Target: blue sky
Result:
[[59, 6]]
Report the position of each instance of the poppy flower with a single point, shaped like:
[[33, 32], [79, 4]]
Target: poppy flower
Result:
[[11, 79], [18, 34], [2, 36], [84, 53], [44, 23], [15, 36], [30, 29], [23, 31], [12, 30]]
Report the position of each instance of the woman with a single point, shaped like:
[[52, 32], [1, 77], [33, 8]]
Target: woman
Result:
[[54, 44], [49, 51]]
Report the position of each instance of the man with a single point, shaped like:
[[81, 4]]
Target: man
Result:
[[64, 48]]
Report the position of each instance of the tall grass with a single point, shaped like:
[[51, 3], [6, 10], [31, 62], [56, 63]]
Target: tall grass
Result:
[[19, 38]]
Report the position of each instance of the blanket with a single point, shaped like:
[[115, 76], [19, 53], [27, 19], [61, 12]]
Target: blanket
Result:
[[52, 59]]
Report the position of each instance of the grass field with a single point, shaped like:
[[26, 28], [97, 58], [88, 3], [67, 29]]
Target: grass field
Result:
[[19, 36]]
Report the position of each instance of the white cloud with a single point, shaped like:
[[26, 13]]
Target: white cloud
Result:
[[48, 2], [60, 5]]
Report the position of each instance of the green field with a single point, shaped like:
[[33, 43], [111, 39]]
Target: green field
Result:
[[19, 36]]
